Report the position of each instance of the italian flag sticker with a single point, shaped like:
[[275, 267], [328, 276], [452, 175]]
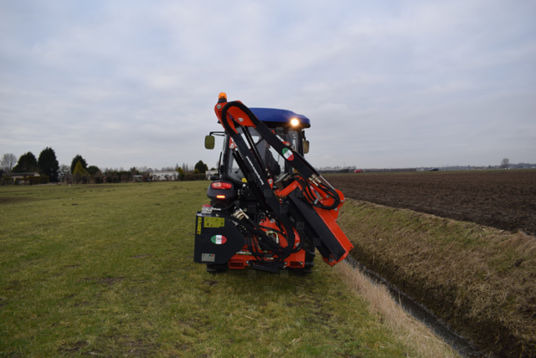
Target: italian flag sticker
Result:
[[218, 239], [287, 153]]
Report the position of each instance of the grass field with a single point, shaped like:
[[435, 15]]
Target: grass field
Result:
[[107, 270]]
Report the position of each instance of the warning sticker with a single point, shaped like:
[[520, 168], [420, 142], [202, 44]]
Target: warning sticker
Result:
[[214, 222], [206, 257], [198, 225]]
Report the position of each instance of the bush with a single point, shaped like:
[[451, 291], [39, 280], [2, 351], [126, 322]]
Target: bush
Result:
[[193, 176], [33, 180], [30, 180], [6, 180]]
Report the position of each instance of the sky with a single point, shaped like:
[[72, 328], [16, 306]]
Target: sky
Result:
[[386, 84]]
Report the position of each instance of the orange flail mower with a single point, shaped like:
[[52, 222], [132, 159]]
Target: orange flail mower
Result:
[[269, 208]]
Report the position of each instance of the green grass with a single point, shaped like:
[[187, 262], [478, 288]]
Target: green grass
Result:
[[107, 270]]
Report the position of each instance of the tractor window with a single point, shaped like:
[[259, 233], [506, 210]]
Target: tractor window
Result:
[[294, 139], [270, 157], [233, 170], [275, 163], [235, 173], [282, 166]]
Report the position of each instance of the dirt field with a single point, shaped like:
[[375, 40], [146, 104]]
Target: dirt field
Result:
[[502, 199]]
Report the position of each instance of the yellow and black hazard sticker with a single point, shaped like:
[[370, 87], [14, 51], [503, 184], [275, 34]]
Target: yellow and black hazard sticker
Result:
[[199, 225], [213, 222]]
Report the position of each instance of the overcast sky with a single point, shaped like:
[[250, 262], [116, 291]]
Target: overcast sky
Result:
[[385, 83]]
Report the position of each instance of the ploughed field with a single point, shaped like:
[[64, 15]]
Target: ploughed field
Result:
[[503, 199]]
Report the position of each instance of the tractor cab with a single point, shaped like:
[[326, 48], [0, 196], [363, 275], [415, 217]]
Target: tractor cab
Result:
[[286, 124]]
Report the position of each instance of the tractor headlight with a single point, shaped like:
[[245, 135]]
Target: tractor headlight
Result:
[[294, 122]]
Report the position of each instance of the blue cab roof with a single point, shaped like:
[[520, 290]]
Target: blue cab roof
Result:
[[274, 115]]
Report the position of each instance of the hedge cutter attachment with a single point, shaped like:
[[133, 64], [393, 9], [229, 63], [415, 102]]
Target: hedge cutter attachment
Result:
[[269, 208]]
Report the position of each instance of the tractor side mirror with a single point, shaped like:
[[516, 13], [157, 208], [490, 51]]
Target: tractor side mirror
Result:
[[305, 146], [209, 142]]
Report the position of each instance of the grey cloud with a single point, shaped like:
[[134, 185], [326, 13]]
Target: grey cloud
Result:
[[391, 84]]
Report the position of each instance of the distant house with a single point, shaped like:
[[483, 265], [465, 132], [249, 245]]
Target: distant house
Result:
[[165, 175], [210, 173], [23, 177]]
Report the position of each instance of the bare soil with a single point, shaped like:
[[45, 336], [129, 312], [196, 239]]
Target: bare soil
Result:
[[503, 199], [10, 200]]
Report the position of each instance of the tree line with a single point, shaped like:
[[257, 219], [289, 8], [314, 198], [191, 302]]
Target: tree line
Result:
[[31, 170], [46, 165]]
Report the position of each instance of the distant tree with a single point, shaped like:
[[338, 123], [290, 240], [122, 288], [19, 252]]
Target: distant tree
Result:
[[78, 158], [181, 172], [93, 170], [145, 170], [8, 161], [200, 167], [125, 176], [96, 175], [80, 174], [26, 163], [48, 164], [110, 176], [64, 173], [505, 163]]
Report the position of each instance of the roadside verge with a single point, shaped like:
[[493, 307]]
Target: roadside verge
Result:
[[480, 280]]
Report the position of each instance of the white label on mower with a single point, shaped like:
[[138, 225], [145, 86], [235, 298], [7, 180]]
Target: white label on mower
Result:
[[205, 257]]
